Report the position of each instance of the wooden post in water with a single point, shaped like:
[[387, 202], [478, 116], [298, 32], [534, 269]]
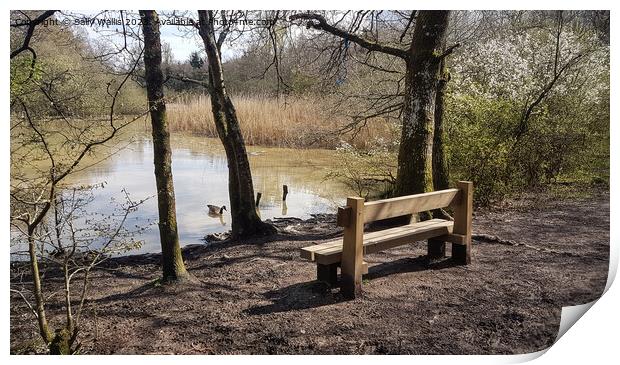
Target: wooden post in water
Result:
[[352, 250], [284, 192], [258, 196]]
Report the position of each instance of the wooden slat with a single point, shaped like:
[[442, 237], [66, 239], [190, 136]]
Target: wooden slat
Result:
[[308, 251], [398, 241], [408, 227], [395, 207], [415, 232], [385, 234]]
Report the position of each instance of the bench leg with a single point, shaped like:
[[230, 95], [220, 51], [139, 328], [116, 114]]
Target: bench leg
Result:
[[327, 273], [461, 254], [436, 249]]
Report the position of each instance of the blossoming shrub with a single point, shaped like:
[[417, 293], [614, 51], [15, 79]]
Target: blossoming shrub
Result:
[[491, 138]]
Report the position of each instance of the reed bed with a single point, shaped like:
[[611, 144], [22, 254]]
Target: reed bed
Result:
[[267, 121]]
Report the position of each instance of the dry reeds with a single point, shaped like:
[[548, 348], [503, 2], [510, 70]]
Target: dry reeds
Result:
[[299, 122]]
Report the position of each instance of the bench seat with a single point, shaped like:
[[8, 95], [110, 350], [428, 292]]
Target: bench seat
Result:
[[331, 252]]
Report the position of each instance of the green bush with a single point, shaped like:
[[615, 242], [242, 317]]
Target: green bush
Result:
[[476, 145], [566, 138]]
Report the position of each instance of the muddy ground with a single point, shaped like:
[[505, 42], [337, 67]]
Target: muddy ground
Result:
[[261, 298]]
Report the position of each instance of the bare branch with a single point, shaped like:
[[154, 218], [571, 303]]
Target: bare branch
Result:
[[317, 21], [30, 31], [523, 124], [27, 302], [411, 17], [184, 78], [449, 50]]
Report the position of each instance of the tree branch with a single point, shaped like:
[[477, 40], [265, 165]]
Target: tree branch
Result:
[[523, 124], [317, 21], [184, 78], [30, 31], [411, 17], [449, 50]]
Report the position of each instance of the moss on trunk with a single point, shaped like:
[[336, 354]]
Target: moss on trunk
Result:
[[172, 260], [62, 342]]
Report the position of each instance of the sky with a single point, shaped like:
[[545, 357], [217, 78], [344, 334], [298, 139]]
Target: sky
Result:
[[182, 44], [183, 40]]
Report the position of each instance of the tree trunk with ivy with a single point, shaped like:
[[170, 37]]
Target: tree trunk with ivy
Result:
[[172, 260], [245, 220], [415, 166]]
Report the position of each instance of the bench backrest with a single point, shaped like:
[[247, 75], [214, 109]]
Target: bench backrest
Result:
[[410, 204]]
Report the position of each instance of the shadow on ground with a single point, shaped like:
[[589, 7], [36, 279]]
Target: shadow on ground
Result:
[[313, 294]]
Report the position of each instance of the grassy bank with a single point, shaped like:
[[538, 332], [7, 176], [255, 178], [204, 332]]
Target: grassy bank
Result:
[[267, 121]]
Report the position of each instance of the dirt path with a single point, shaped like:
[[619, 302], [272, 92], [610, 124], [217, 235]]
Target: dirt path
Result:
[[261, 298]]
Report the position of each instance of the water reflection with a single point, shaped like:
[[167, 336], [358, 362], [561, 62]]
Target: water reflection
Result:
[[217, 216], [201, 176], [284, 208]]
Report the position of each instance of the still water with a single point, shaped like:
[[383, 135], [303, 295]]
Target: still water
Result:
[[201, 177]]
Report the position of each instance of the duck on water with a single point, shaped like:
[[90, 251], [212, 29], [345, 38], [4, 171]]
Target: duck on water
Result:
[[215, 210]]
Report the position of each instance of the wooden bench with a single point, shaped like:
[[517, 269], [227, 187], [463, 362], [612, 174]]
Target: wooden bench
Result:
[[347, 253]]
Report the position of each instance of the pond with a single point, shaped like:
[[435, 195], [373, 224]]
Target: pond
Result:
[[201, 177]]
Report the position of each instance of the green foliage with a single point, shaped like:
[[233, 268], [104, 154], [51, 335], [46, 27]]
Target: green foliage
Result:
[[496, 74], [567, 135], [131, 100], [195, 60], [300, 82], [477, 147], [68, 72], [22, 72]]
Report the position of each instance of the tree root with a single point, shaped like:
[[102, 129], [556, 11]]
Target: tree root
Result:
[[487, 238], [493, 239]]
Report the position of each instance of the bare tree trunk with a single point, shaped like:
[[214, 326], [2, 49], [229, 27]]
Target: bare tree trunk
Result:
[[172, 260], [59, 343], [416, 147], [68, 309], [441, 175], [245, 220], [44, 330]]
